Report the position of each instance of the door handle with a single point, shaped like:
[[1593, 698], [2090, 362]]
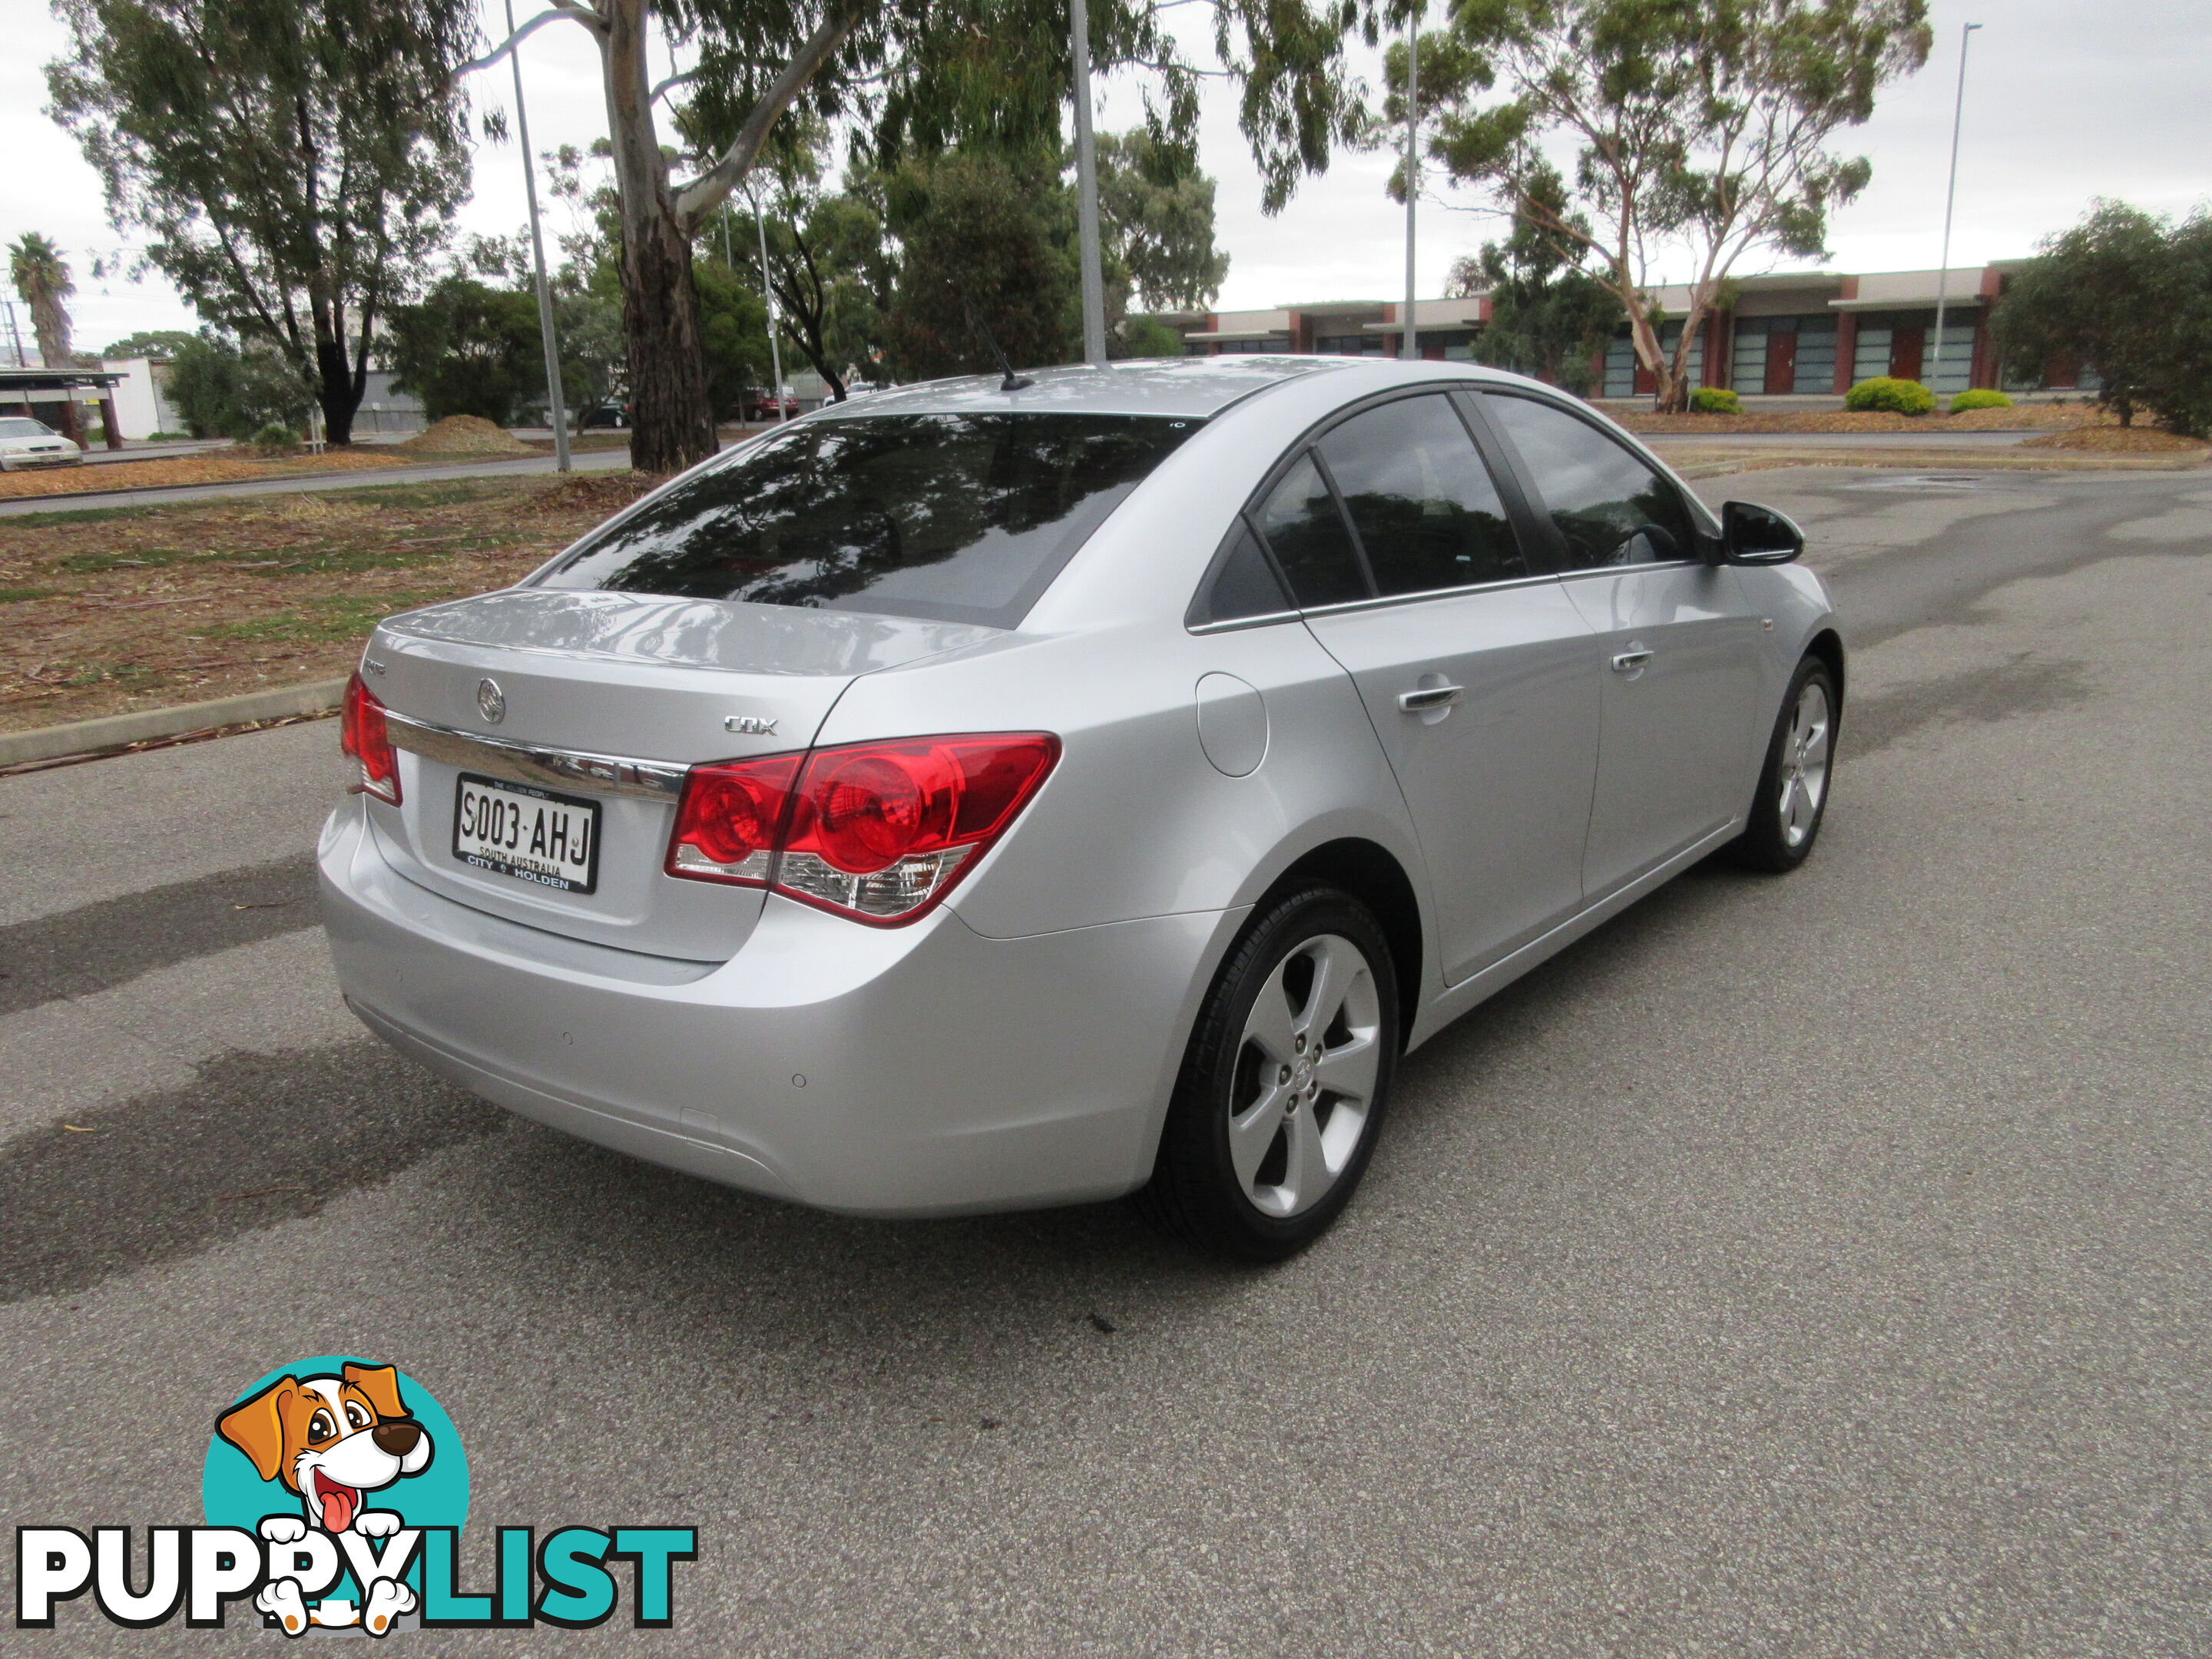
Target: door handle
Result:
[[1629, 662], [1429, 697]]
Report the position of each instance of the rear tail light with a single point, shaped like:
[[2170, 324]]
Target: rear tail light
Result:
[[876, 831], [726, 822], [361, 734]]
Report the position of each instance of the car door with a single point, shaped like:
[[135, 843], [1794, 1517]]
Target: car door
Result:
[[1677, 652], [1473, 669]]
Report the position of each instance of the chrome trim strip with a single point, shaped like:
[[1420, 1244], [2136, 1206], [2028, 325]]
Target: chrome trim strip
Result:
[[1229, 624], [1383, 601], [526, 763], [1578, 573]]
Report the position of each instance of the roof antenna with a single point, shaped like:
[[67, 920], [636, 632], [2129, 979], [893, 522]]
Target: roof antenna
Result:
[[1013, 382]]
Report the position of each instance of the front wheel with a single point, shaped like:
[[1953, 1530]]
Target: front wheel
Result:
[[1283, 1089], [1793, 784]]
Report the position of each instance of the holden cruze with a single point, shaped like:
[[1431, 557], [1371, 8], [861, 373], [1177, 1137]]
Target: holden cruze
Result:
[[1008, 793]]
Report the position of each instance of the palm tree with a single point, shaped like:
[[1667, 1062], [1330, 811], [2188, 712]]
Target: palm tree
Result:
[[43, 278]]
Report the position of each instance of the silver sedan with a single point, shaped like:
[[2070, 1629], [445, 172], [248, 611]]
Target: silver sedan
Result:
[[1003, 794]]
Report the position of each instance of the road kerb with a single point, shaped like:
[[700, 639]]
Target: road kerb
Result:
[[112, 731]]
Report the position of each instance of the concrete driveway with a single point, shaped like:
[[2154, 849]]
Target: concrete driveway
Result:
[[1802, 1266]]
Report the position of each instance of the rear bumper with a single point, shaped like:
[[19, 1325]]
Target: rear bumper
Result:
[[942, 1070]]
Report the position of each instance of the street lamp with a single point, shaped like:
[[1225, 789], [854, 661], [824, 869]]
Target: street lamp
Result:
[[1950, 194], [556, 407], [1086, 188], [1409, 344], [768, 298]]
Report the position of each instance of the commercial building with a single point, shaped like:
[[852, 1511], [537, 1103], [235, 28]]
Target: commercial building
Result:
[[1354, 328], [1797, 334], [142, 401]]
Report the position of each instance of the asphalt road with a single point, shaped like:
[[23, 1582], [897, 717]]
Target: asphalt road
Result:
[[1803, 1266]]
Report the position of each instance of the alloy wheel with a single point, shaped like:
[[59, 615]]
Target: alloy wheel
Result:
[[1305, 1076], [1804, 764]]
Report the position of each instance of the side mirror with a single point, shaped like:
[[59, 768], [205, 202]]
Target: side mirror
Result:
[[1751, 534]]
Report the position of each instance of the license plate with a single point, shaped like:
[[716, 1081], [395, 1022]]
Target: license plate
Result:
[[532, 835]]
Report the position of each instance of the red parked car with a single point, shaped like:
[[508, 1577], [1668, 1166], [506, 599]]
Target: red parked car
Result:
[[761, 406]]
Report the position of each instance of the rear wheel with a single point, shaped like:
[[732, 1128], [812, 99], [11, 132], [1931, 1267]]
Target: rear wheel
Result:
[[1284, 1084], [1793, 786]]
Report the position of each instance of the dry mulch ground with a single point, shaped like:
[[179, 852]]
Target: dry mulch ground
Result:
[[1717, 458], [2120, 440], [217, 468], [223, 466], [124, 608], [2021, 417]]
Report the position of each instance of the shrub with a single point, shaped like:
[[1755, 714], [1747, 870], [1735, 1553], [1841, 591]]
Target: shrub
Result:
[[275, 440], [224, 391], [1980, 398], [1715, 400], [1887, 392]]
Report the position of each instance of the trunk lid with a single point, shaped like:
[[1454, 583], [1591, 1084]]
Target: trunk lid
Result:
[[585, 677]]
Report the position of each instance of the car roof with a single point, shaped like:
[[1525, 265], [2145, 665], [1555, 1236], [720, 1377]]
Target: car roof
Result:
[[1147, 385]]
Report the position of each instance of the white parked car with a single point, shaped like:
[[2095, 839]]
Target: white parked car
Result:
[[997, 795], [26, 443]]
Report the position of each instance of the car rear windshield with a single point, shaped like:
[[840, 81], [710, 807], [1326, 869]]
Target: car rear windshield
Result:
[[952, 518]]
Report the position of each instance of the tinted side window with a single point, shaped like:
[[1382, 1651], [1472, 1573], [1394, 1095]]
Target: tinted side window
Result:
[[1243, 583], [1300, 520], [1427, 513], [1610, 507]]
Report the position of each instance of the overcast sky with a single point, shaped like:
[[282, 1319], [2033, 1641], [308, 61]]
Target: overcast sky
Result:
[[2066, 101]]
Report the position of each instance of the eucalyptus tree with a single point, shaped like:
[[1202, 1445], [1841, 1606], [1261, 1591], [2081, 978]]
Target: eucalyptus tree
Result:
[[1693, 131], [1156, 210], [296, 163], [914, 74]]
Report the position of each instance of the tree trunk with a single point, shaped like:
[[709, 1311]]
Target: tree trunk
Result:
[[336, 391], [1666, 391], [1675, 386], [671, 419], [808, 335]]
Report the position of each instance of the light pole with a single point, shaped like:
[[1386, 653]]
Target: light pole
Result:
[[1950, 194], [768, 298], [1409, 344], [559, 413], [1086, 188]]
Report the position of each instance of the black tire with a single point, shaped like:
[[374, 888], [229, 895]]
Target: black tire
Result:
[[1196, 1193], [1773, 843]]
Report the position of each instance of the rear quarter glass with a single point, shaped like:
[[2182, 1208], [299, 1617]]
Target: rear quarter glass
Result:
[[962, 517]]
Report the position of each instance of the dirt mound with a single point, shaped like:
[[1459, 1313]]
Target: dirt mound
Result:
[[464, 435], [2126, 440], [593, 492]]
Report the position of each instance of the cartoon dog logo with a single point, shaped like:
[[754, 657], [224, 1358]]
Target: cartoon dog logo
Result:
[[332, 1440]]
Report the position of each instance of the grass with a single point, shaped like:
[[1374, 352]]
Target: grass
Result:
[[122, 608], [82, 515], [335, 619]]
